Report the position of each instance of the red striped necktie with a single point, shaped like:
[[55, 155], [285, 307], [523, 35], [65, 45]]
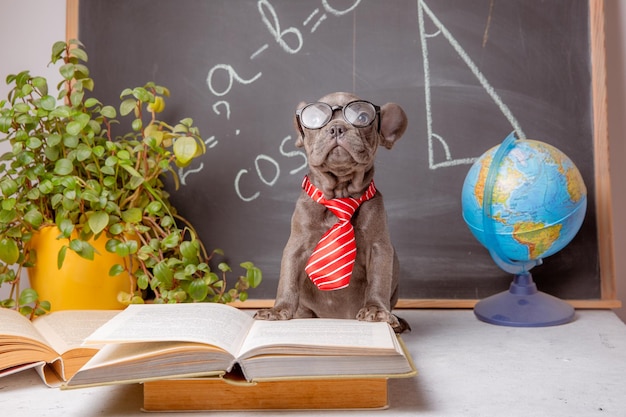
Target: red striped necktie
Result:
[[330, 265]]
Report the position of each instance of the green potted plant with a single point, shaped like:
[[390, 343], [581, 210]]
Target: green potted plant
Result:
[[66, 174]]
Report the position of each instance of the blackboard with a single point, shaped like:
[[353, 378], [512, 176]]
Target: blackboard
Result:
[[467, 73]]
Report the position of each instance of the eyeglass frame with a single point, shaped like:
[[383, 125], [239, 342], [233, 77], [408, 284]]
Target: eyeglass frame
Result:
[[343, 114]]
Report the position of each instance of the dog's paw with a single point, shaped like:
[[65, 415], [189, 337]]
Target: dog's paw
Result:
[[376, 313], [273, 314]]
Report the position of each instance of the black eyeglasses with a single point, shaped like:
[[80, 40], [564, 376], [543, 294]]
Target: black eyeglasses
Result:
[[358, 113]]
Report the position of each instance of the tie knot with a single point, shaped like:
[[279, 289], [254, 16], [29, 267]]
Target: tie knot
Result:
[[343, 208]]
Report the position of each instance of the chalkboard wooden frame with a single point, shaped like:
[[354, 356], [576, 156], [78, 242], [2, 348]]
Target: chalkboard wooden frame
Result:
[[603, 206]]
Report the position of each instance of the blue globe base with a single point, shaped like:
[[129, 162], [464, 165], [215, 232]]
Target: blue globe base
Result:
[[524, 306]]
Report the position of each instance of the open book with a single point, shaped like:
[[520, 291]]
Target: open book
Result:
[[52, 344], [148, 342]]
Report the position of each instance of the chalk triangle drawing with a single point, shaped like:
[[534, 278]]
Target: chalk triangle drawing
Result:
[[433, 138]]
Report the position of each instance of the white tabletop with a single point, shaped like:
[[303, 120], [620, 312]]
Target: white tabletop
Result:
[[466, 368]]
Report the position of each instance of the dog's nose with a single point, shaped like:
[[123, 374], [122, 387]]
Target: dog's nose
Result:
[[336, 130]]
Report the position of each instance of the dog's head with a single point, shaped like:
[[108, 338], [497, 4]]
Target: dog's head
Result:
[[341, 133]]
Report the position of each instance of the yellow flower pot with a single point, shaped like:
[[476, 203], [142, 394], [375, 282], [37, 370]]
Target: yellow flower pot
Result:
[[80, 284]]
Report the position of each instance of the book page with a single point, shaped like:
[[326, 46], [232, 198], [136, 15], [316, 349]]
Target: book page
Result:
[[137, 362], [20, 368], [321, 336], [65, 330], [13, 323], [211, 323]]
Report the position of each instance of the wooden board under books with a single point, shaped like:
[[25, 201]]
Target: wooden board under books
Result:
[[206, 394]]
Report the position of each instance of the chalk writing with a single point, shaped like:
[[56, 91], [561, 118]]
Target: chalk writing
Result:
[[274, 28], [432, 137], [290, 40], [222, 103], [222, 77], [232, 76]]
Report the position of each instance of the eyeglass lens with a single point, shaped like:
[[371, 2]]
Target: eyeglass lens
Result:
[[357, 113], [316, 115], [360, 113]]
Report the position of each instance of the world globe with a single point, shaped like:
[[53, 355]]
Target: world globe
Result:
[[536, 205], [524, 200]]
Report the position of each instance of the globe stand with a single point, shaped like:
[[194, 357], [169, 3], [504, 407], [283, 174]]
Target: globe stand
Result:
[[524, 306]]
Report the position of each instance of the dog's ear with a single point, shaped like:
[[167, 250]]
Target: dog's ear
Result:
[[393, 123], [296, 125]]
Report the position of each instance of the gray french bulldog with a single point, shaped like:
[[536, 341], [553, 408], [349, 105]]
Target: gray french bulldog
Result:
[[340, 135]]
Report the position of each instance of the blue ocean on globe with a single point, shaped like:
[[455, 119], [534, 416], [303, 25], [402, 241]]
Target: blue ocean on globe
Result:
[[537, 203]]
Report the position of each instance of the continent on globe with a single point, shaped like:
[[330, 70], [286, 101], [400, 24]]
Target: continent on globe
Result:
[[538, 237]]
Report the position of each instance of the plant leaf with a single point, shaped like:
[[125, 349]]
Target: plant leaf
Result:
[[9, 252], [28, 296], [8, 186], [67, 71], [254, 277], [116, 270], [185, 149], [83, 249], [66, 226], [163, 274], [171, 241], [122, 249], [223, 266], [189, 250], [48, 103], [142, 94], [132, 171], [127, 106], [61, 256], [108, 112], [63, 167], [198, 289], [133, 215], [57, 50], [79, 53], [34, 217], [98, 221]]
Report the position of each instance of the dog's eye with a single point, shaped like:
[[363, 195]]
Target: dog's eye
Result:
[[360, 118], [363, 119]]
